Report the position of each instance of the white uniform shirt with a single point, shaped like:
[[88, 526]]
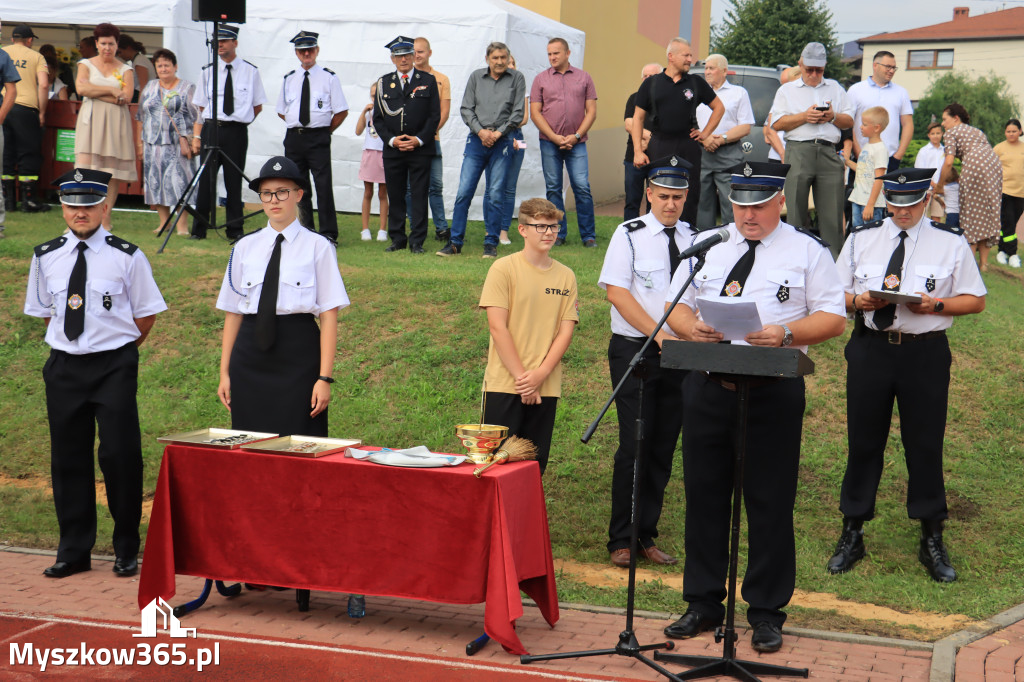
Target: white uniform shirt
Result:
[[737, 109], [930, 253], [310, 281], [796, 97], [638, 258], [893, 98], [930, 156], [325, 97], [248, 89], [127, 279], [785, 258]]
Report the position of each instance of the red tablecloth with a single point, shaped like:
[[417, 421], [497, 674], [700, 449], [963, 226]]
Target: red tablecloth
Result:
[[341, 525]]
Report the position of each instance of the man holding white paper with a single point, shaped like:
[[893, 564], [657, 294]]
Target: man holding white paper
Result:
[[790, 275], [900, 351]]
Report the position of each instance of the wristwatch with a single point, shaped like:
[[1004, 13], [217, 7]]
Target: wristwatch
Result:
[[578, 136], [939, 306], [725, 138], [787, 339]]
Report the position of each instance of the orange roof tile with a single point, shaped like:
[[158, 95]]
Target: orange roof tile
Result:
[[1008, 23]]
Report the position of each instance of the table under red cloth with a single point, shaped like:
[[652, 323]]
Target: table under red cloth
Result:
[[341, 525]]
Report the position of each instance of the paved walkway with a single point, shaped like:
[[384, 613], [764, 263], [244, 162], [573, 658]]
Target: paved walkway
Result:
[[440, 630]]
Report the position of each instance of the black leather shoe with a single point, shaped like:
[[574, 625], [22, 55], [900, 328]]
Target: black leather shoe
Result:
[[62, 569], [849, 549], [126, 567], [766, 638], [416, 249], [933, 554], [449, 250], [442, 235], [559, 242], [394, 247], [690, 625], [195, 236]]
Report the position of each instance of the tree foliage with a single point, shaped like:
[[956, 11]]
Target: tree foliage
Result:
[[987, 99], [773, 32]]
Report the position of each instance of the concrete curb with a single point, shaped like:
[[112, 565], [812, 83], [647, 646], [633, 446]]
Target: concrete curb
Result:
[[945, 650]]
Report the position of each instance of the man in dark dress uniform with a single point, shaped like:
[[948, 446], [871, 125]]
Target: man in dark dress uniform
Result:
[[406, 113], [96, 293]]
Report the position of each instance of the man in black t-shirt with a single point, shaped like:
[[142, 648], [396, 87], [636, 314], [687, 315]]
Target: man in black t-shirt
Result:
[[635, 177], [670, 99]]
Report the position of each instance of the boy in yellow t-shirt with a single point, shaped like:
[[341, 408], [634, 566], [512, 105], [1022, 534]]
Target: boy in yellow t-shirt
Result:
[[530, 300]]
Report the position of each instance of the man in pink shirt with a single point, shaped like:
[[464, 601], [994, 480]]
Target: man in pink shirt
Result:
[[563, 106]]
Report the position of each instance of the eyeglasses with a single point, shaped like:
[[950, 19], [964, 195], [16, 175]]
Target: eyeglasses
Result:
[[267, 196], [892, 68], [543, 228], [814, 69]]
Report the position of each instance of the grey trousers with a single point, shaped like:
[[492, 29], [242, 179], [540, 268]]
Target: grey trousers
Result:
[[818, 166], [715, 175]]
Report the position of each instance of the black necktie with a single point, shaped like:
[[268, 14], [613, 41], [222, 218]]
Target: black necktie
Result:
[[266, 311], [738, 275], [673, 249], [893, 275], [74, 319], [229, 93], [304, 101]]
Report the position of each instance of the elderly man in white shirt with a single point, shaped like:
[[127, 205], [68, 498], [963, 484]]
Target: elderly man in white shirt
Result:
[[880, 91], [721, 151], [812, 111]]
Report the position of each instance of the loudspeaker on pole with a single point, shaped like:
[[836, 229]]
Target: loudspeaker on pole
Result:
[[232, 11]]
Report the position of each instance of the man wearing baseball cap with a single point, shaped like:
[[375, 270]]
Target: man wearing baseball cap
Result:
[[905, 278], [23, 125], [790, 275]]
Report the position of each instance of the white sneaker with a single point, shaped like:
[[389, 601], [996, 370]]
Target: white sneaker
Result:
[[382, 236], [1014, 261], [366, 236], [1002, 258]]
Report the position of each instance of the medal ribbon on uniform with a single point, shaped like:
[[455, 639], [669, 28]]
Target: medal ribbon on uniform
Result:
[[739, 273], [74, 318], [884, 317]]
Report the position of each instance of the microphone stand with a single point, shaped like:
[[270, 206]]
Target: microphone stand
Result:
[[628, 645]]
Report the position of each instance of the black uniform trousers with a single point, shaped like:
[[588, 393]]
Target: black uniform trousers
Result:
[[402, 170], [916, 375], [1010, 211], [662, 145], [533, 422], [663, 417], [83, 392], [310, 149], [23, 137], [233, 139], [770, 470]]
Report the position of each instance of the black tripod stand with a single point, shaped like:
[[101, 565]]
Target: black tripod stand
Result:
[[211, 151], [628, 644], [741, 364]]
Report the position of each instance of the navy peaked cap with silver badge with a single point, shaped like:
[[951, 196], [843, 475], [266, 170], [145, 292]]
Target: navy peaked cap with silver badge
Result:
[[670, 171], [907, 186], [227, 32], [82, 187], [277, 167], [305, 40], [400, 46], [755, 182]]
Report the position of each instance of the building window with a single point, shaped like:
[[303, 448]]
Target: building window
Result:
[[930, 59]]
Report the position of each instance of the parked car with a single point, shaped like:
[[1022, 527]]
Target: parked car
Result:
[[761, 84]]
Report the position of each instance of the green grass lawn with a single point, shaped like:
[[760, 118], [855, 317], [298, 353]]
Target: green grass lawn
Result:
[[411, 355]]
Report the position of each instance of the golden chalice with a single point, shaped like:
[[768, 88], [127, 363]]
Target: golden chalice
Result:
[[481, 440]]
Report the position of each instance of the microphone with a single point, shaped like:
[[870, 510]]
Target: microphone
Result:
[[717, 237]]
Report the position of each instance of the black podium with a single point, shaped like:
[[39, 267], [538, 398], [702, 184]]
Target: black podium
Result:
[[740, 365]]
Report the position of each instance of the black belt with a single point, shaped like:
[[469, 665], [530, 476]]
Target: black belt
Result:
[[631, 339], [304, 131], [897, 338], [227, 124], [817, 140]]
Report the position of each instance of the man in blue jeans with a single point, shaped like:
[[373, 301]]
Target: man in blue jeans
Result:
[[421, 61], [492, 107], [563, 106]]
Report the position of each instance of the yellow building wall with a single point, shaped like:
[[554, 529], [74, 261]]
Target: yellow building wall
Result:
[[622, 36]]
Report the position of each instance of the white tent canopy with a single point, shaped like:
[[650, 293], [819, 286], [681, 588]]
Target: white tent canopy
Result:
[[352, 39]]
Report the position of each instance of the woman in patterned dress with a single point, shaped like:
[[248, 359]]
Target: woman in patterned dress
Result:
[[981, 180], [165, 137]]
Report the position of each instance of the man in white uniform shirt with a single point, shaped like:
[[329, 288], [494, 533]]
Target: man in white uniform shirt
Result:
[[900, 352], [721, 148], [811, 111], [312, 105], [790, 275], [240, 99], [638, 266], [880, 91]]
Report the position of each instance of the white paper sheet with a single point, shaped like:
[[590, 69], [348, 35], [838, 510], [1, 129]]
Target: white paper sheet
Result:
[[733, 317]]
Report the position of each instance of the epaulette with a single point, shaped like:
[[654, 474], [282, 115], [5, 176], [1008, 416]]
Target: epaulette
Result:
[[803, 230], [947, 228], [329, 71], [208, 66], [121, 244], [50, 246], [634, 225], [250, 63], [706, 229], [864, 226], [289, 73]]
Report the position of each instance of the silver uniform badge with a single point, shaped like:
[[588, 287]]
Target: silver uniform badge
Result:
[[78, 176], [902, 179], [747, 170], [673, 161], [277, 166]]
